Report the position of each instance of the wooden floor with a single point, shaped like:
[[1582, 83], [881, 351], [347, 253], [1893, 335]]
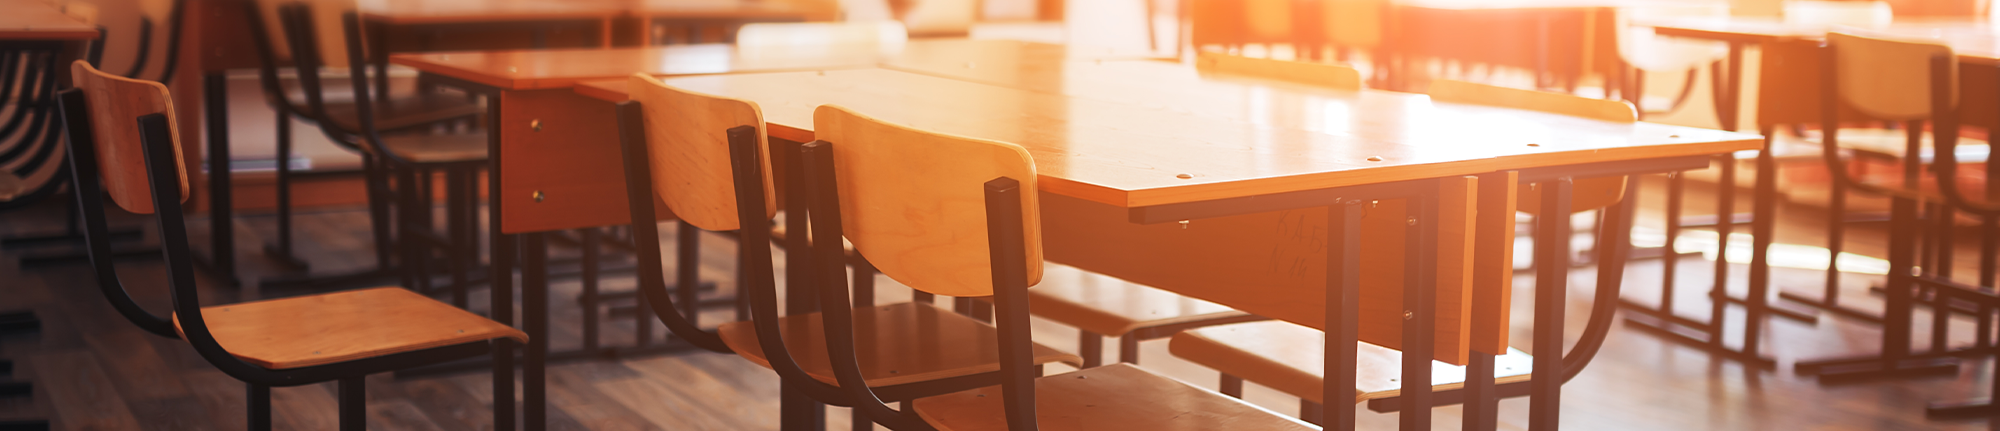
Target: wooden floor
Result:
[[95, 371]]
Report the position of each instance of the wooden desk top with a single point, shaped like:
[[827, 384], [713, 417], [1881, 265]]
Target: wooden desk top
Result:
[[404, 12], [1181, 88], [1228, 144], [1972, 39], [544, 69], [35, 20]]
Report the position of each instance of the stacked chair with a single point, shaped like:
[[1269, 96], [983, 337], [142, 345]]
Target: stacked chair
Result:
[[401, 215], [122, 141], [1916, 84]]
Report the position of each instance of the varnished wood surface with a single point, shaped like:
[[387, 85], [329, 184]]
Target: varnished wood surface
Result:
[[914, 201], [688, 138], [1590, 193], [344, 326], [1128, 145], [39, 20], [895, 344], [561, 164], [115, 104], [1292, 358], [1119, 396]]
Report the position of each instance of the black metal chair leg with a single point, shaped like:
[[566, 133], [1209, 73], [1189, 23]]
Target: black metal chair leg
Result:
[[259, 398], [860, 421], [354, 404], [459, 200], [1312, 413], [1090, 345], [282, 251], [1128, 349], [1231, 385]]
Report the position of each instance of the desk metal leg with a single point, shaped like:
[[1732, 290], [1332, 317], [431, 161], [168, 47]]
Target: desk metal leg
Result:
[[1420, 307], [1343, 309], [222, 236], [1551, 285], [502, 278], [534, 321], [1708, 335]]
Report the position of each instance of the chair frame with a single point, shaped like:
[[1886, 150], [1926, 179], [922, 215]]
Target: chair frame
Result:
[[1896, 357], [162, 167]]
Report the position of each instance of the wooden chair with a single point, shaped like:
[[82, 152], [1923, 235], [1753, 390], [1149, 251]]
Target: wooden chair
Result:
[[1917, 84], [122, 141], [407, 157], [958, 216], [1275, 354], [294, 99], [707, 159]]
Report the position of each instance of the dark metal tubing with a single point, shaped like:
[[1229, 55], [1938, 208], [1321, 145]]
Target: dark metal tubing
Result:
[[1552, 258], [1343, 308]]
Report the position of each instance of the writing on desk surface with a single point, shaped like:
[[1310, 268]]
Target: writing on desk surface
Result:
[[1300, 249]]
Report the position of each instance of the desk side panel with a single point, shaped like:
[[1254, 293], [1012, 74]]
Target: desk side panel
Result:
[[574, 161], [1272, 264]]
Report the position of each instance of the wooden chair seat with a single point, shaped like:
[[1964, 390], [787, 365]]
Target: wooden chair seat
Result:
[[899, 343], [1118, 396], [438, 148], [1290, 358], [11, 186], [1115, 308], [406, 112], [343, 326]]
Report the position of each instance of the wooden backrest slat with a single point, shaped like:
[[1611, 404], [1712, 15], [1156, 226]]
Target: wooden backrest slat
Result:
[[688, 134], [913, 201], [116, 103]]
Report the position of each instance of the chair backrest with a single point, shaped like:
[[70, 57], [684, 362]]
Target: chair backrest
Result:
[[327, 37], [1320, 74], [274, 26], [1840, 13], [912, 201], [114, 102], [880, 33], [687, 133], [1454, 91], [1639, 46], [1354, 23], [938, 17], [1888, 79]]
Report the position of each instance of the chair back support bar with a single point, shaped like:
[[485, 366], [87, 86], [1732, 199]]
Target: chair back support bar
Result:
[[908, 203], [686, 137], [111, 98], [646, 234]]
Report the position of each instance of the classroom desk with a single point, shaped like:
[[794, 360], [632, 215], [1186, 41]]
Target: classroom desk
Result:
[[1789, 93], [1262, 161], [555, 155]]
